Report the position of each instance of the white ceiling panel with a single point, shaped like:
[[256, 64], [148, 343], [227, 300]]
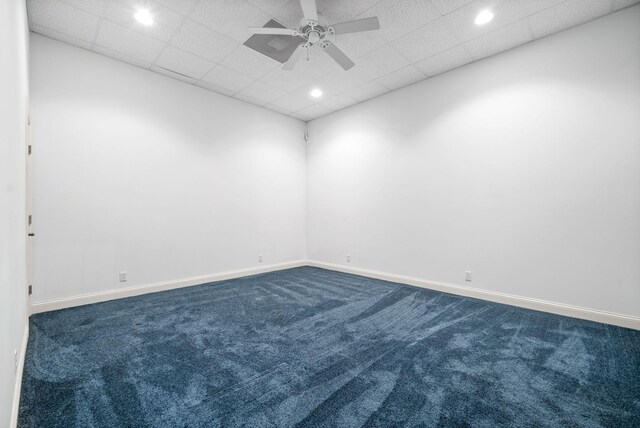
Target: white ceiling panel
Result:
[[224, 77], [204, 42], [499, 40], [445, 61], [401, 78], [427, 41], [64, 19], [201, 41], [566, 15], [129, 42], [185, 63]]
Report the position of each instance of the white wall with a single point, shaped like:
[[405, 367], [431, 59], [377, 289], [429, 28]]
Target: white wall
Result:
[[523, 168], [137, 172], [14, 90]]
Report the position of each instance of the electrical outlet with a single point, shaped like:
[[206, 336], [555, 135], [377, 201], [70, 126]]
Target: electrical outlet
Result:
[[123, 276], [260, 258], [348, 258], [467, 276]]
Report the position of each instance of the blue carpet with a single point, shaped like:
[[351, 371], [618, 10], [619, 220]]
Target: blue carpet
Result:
[[310, 347]]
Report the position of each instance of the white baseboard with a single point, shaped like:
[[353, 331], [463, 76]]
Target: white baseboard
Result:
[[120, 293], [18, 381], [493, 296]]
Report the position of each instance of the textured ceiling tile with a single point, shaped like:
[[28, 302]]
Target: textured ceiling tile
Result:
[[95, 7], [382, 62], [305, 92], [183, 62], [62, 37], [262, 91], [230, 17], [173, 75], [461, 21], [367, 91], [166, 22], [215, 88], [339, 102], [292, 102], [286, 80], [183, 7], [499, 40], [249, 100], [63, 18], [426, 41], [315, 111], [226, 78], [336, 11], [129, 42], [401, 78], [204, 42], [344, 80], [121, 57], [446, 6], [566, 15], [620, 4], [398, 17], [531, 7], [445, 61], [357, 45], [272, 7], [250, 62]]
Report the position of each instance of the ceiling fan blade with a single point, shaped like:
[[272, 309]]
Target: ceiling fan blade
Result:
[[338, 56], [295, 57], [366, 24], [278, 31], [309, 10]]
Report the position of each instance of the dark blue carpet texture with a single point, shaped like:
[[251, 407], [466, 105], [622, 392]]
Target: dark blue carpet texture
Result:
[[311, 347]]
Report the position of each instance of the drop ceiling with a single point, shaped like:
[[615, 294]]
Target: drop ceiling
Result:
[[201, 42]]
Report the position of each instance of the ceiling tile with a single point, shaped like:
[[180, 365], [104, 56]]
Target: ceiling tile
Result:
[[445, 61], [357, 45], [531, 7], [499, 40], [301, 117], [344, 80], [336, 11], [339, 102], [382, 62], [566, 15], [64, 19], [121, 57], [173, 75], [278, 109], [179, 61], [95, 7], [166, 22], [427, 41], [62, 37], [129, 42], [461, 21], [230, 17], [262, 91], [183, 7], [319, 64], [314, 111], [398, 17], [249, 100], [292, 102], [305, 92], [249, 62], [620, 4], [215, 88], [367, 91], [204, 42], [446, 6], [273, 7], [226, 78], [286, 80], [401, 78]]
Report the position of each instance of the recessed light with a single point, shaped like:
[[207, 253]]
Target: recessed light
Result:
[[316, 93], [144, 17], [484, 17]]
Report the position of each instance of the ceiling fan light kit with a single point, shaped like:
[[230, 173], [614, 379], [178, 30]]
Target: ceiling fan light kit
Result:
[[312, 32]]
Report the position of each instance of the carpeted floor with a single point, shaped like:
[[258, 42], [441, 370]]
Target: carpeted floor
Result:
[[310, 347]]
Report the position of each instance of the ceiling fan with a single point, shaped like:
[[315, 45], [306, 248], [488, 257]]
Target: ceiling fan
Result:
[[315, 32]]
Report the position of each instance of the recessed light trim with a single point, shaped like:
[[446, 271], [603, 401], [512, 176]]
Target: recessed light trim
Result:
[[316, 93], [144, 17], [484, 17]]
